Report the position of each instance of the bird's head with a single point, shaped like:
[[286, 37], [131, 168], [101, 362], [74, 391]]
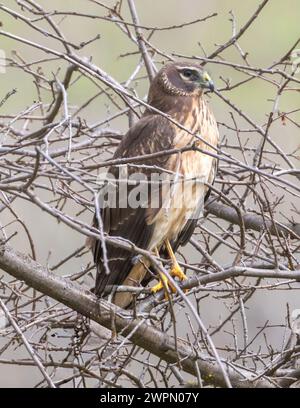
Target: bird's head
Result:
[[184, 78]]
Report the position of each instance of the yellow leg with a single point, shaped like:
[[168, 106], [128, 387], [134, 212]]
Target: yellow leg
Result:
[[163, 282], [175, 271]]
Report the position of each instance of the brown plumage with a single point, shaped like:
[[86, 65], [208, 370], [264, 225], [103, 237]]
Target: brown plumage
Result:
[[177, 90]]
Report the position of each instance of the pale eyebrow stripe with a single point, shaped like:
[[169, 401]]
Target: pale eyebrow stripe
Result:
[[190, 68]]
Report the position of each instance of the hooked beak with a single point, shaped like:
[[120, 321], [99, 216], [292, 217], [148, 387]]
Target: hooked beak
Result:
[[211, 85]]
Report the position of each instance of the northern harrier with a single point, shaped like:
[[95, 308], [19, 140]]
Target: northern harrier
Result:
[[177, 91]]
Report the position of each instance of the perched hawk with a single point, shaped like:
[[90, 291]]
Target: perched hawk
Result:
[[177, 90]]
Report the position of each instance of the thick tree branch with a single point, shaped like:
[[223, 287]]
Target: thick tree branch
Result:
[[140, 333], [251, 221]]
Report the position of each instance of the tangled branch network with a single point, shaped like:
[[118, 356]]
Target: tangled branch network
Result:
[[62, 115]]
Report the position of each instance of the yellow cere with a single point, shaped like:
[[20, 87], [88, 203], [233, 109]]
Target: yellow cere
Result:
[[206, 77]]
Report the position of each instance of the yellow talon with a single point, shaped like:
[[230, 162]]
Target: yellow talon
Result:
[[175, 271], [163, 284]]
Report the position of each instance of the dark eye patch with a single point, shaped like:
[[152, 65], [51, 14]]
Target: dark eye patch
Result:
[[190, 74], [187, 73]]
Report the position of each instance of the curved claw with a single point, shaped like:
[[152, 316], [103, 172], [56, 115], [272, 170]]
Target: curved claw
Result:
[[163, 284], [177, 271]]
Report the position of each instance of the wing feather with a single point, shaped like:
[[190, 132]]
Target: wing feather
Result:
[[152, 134]]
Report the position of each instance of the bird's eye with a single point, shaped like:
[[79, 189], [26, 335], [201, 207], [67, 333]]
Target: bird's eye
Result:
[[187, 73]]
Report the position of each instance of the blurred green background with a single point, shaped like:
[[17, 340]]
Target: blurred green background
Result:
[[274, 32]]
